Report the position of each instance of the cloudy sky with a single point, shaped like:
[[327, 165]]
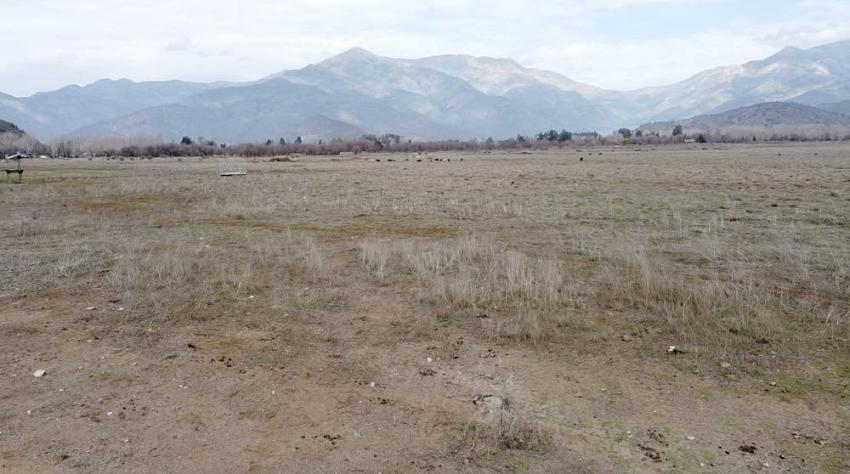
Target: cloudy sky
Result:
[[618, 44]]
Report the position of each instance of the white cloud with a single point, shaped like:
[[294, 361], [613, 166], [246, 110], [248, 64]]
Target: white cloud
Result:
[[594, 41], [179, 44]]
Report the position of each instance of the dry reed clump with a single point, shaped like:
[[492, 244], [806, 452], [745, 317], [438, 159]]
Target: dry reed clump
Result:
[[502, 424], [46, 263], [724, 301], [198, 280], [375, 255], [525, 297]]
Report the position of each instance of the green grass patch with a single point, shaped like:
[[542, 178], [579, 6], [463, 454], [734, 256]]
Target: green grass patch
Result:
[[379, 226], [133, 202], [367, 226], [99, 376], [61, 176]]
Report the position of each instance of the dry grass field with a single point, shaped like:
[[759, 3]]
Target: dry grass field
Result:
[[492, 312]]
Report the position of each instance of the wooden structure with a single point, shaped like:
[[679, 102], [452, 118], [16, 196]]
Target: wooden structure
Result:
[[17, 157]]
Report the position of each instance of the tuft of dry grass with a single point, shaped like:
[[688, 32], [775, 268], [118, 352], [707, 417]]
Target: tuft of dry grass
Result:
[[502, 424], [205, 279], [526, 297], [375, 255], [722, 301]]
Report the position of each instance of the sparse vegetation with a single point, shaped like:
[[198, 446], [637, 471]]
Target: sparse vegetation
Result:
[[515, 307], [525, 296]]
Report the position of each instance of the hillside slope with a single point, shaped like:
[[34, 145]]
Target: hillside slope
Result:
[[768, 116]]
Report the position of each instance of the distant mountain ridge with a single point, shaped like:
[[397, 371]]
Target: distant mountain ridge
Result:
[[10, 128], [47, 115], [448, 96], [769, 115], [842, 107]]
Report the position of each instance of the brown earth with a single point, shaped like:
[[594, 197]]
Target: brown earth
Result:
[[241, 325]]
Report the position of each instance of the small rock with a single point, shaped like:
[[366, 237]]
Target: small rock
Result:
[[429, 360], [372, 384], [491, 402], [626, 338], [651, 453], [39, 373], [91, 308], [726, 365], [747, 448], [674, 350], [691, 438]]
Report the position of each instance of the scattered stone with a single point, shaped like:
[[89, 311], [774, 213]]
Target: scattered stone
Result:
[[726, 365], [747, 448], [39, 373], [658, 437], [674, 350], [427, 373], [626, 338], [91, 308], [691, 438], [651, 453]]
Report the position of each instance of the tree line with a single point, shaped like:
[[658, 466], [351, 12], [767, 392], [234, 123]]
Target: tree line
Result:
[[149, 147]]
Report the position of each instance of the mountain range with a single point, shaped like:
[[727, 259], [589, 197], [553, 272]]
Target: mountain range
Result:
[[778, 116], [439, 97], [10, 128]]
